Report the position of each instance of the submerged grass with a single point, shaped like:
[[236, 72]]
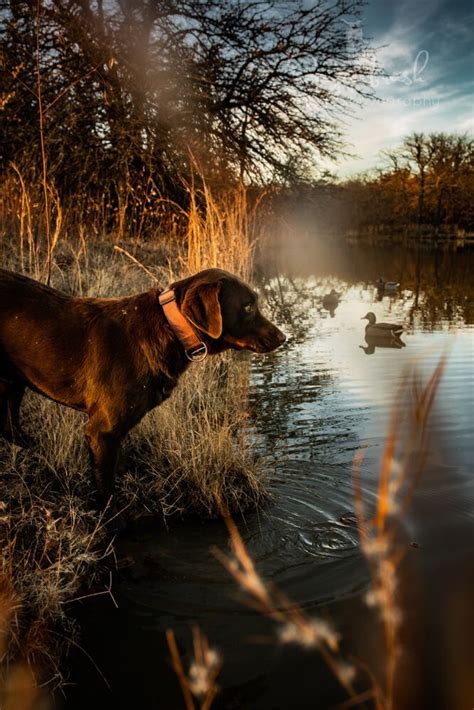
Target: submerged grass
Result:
[[184, 455]]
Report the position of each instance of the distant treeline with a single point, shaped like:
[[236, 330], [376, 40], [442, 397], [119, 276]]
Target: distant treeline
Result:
[[429, 180], [426, 188]]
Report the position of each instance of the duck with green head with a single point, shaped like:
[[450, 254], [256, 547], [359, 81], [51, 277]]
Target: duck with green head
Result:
[[381, 330], [387, 286]]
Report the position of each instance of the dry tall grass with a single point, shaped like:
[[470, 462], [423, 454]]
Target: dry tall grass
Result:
[[200, 683], [402, 464], [221, 235], [189, 451]]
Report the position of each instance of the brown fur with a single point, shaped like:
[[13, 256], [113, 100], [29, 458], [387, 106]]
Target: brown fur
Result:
[[114, 359]]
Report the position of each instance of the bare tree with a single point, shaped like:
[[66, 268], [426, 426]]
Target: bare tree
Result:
[[248, 88]]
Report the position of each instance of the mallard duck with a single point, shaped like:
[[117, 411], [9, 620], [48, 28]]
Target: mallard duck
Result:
[[381, 330], [387, 286], [331, 300]]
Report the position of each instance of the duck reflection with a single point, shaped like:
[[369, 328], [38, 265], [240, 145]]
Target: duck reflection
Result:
[[377, 341]]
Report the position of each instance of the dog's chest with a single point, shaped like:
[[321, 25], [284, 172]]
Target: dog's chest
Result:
[[149, 393], [160, 389]]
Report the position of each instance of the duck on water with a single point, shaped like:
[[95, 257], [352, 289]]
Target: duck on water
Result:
[[331, 300], [381, 330], [387, 286]]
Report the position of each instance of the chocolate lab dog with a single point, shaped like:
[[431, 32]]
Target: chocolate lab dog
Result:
[[118, 358]]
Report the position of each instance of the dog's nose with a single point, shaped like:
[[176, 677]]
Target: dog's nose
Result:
[[281, 337]]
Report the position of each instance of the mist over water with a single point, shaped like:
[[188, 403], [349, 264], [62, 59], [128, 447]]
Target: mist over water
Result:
[[316, 402]]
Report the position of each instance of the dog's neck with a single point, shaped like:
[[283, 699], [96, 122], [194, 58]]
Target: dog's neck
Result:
[[152, 335], [162, 349], [167, 352], [188, 335]]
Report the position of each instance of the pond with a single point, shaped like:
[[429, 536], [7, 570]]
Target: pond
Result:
[[317, 401]]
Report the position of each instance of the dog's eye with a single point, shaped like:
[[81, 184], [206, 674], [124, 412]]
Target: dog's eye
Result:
[[249, 308]]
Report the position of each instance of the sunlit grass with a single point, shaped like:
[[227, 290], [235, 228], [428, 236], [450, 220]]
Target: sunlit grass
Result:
[[185, 454]]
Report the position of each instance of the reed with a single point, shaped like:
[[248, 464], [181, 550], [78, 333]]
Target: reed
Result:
[[294, 625], [192, 449], [402, 464], [200, 683]]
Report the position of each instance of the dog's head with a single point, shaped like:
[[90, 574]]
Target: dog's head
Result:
[[225, 310]]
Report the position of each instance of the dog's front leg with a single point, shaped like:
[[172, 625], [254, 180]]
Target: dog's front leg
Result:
[[104, 448], [11, 395]]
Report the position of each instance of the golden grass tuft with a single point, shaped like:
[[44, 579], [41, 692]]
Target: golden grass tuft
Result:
[[192, 449], [219, 236]]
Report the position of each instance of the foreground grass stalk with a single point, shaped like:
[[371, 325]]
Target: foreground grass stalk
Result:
[[200, 682], [398, 480], [295, 627]]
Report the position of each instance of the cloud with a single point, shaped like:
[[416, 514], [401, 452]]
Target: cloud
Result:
[[428, 88]]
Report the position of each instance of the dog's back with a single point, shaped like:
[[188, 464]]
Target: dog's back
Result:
[[23, 299], [41, 336]]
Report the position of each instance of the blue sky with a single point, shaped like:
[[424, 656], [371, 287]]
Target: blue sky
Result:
[[426, 50]]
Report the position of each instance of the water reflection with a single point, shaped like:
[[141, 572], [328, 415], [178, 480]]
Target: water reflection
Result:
[[315, 399], [315, 402], [374, 342], [293, 302], [435, 284]]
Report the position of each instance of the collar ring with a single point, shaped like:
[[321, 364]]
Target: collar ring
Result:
[[197, 354]]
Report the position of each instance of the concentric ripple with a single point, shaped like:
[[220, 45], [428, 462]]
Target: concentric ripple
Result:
[[308, 531]]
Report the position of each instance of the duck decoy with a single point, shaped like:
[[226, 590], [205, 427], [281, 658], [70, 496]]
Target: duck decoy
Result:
[[381, 330], [331, 301], [387, 286], [332, 298]]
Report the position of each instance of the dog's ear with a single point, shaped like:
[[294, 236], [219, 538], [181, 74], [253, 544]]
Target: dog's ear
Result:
[[201, 306]]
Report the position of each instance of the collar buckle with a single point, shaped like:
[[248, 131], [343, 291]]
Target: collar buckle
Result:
[[197, 354]]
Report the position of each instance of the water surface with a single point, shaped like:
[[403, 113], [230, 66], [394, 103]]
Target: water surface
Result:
[[316, 402]]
